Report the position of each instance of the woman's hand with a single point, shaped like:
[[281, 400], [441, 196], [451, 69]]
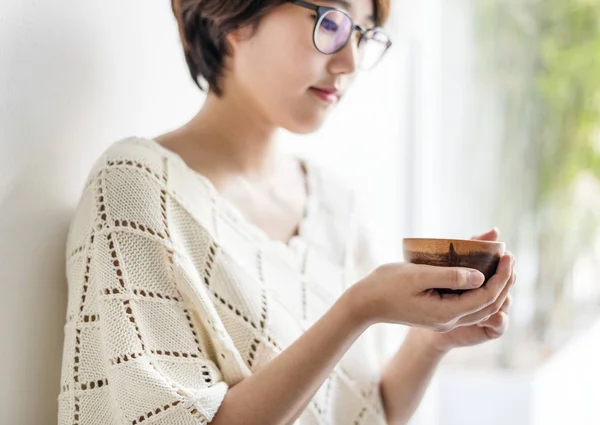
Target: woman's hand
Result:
[[406, 293], [487, 329]]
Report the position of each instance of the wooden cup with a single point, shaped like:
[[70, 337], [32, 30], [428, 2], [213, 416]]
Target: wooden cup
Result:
[[480, 255]]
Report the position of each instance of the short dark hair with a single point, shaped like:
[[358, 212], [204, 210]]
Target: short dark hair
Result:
[[204, 25]]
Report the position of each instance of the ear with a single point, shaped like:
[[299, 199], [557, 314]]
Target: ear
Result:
[[236, 37]]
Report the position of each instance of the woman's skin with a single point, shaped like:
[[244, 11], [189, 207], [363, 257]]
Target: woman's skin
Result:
[[271, 81]]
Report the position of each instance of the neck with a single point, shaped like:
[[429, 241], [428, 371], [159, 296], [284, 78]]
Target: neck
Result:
[[236, 135]]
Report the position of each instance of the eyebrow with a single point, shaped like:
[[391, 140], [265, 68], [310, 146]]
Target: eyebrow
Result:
[[345, 4]]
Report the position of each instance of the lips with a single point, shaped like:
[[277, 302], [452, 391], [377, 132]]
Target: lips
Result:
[[329, 95]]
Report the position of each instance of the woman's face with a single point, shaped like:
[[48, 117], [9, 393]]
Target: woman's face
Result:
[[282, 75]]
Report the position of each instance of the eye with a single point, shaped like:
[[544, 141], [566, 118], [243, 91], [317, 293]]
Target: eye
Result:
[[329, 25]]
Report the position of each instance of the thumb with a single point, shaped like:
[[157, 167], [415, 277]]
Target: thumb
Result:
[[454, 278], [491, 235]]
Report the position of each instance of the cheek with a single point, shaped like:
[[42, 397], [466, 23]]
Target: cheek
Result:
[[275, 68], [280, 61]]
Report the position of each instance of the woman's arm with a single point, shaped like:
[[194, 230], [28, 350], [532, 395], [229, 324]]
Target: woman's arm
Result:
[[280, 391], [405, 378]]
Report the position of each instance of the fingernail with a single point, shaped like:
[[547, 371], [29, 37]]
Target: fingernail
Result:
[[476, 278]]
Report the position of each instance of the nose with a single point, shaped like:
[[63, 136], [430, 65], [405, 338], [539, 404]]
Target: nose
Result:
[[344, 61]]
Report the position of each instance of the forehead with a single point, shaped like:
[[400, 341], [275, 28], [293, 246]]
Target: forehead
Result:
[[360, 10]]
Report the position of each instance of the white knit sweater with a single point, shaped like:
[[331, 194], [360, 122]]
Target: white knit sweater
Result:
[[174, 296]]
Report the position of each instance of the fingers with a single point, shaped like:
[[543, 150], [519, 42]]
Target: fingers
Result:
[[492, 235], [432, 277], [489, 299], [506, 306], [502, 303], [496, 325], [490, 310], [504, 309]]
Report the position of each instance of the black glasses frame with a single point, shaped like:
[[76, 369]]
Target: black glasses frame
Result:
[[322, 10]]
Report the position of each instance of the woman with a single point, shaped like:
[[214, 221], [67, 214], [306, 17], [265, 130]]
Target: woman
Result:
[[214, 279]]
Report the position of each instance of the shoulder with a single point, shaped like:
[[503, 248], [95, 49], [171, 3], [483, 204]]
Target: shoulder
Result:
[[128, 155], [132, 174], [134, 182], [140, 171]]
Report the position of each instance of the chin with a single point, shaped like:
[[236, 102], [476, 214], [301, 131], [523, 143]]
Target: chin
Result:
[[307, 123], [304, 129]]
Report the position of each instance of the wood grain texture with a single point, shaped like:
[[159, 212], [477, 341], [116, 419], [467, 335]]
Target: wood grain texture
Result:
[[480, 255]]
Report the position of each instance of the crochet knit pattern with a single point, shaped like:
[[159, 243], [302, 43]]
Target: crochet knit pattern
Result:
[[174, 296]]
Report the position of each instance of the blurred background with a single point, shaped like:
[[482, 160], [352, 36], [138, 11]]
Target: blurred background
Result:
[[485, 113]]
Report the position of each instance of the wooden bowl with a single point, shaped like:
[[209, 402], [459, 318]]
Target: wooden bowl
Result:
[[480, 255]]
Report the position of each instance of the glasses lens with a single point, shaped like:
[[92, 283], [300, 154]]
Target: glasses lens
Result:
[[333, 31], [372, 47]]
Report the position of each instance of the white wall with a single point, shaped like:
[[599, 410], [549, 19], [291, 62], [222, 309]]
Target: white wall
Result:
[[77, 76], [74, 76]]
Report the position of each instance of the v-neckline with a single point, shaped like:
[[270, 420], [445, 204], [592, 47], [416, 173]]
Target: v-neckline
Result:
[[304, 226]]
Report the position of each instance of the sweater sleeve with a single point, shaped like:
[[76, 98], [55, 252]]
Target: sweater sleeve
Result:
[[135, 350]]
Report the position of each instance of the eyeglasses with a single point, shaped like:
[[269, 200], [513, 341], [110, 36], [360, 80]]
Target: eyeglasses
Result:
[[334, 29]]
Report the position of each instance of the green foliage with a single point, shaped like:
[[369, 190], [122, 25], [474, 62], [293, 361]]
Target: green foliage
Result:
[[543, 58]]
